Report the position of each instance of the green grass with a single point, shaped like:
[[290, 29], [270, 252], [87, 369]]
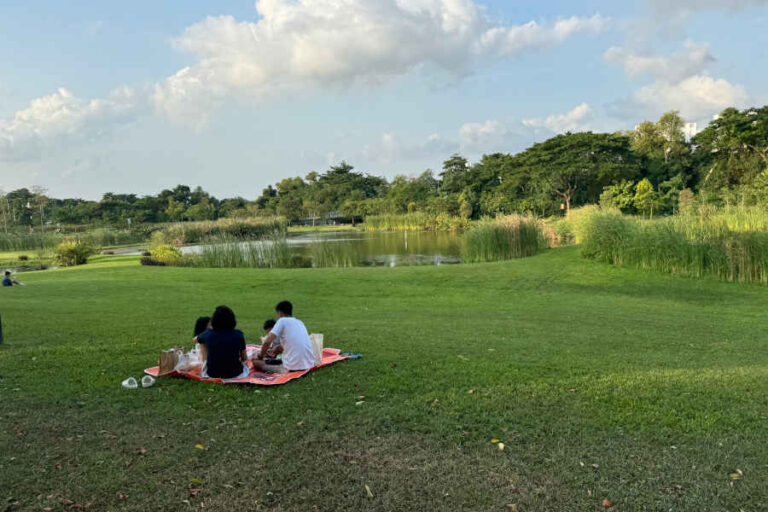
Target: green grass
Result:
[[658, 381]]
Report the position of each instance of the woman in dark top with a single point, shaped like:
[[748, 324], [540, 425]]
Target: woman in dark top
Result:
[[223, 346]]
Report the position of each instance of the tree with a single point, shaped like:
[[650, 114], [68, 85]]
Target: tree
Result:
[[733, 150], [175, 210], [577, 166], [40, 201], [455, 174], [5, 211], [645, 197], [204, 210], [620, 195]]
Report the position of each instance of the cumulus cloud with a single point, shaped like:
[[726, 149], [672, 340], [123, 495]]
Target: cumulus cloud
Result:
[[510, 41], [691, 60], [575, 120], [62, 116], [294, 44], [341, 42], [680, 82], [478, 134], [390, 149], [696, 97]]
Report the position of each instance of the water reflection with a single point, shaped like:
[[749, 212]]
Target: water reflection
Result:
[[361, 248]]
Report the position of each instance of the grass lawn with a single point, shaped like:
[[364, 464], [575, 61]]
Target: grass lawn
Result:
[[648, 390]]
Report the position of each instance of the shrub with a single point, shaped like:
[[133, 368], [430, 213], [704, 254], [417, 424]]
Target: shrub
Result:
[[166, 254], [148, 261], [73, 252], [23, 257]]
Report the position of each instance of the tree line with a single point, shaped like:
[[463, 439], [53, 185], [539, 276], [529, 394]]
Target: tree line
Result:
[[649, 170]]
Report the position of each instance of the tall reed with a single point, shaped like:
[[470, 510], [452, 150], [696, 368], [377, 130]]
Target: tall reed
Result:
[[325, 254], [182, 233], [503, 239], [726, 245], [222, 251]]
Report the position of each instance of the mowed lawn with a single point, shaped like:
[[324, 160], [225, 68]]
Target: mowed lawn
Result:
[[647, 390]]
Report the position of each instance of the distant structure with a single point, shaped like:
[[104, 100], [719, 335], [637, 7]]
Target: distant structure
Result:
[[690, 130]]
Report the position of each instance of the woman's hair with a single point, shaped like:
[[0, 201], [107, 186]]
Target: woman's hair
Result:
[[223, 319], [201, 325]]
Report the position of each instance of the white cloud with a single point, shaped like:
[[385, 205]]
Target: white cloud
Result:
[[696, 97], [294, 44], [574, 120], [510, 41], [476, 134], [693, 59], [297, 43], [62, 116], [390, 149]]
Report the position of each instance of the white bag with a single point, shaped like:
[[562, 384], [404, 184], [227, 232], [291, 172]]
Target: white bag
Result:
[[317, 347]]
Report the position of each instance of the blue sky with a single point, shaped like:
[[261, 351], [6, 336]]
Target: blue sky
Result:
[[138, 96]]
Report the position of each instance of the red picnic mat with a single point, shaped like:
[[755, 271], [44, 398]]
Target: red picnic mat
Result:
[[330, 356]]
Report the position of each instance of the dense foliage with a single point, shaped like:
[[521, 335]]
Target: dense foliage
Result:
[[651, 170]]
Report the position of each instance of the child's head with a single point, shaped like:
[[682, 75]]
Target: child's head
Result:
[[202, 324], [268, 325], [223, 319], [7, 273]]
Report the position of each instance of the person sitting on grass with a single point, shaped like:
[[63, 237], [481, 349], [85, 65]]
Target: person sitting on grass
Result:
[[9, 281], [276, 348], [223, 347], [202, 324], [294, 339]]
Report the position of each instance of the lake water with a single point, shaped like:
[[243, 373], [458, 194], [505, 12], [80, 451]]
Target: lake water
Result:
[[377, 248]]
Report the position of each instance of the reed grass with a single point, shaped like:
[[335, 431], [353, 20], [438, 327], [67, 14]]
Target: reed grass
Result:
[[729, 244], [417, 221], [503, 239], [98, 237], [255, 228], [224, 251], [325, 254]]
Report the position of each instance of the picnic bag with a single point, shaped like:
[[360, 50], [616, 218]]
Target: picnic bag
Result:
[[169, 360]]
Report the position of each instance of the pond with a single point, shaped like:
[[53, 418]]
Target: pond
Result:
[[373, 248]]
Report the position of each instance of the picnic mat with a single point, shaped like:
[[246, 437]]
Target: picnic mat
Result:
[[330, 356]]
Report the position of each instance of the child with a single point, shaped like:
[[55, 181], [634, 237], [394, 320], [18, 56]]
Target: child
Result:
[[202, 324], [276, 349]]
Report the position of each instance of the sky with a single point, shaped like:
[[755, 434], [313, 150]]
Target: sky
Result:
[[135, 97]]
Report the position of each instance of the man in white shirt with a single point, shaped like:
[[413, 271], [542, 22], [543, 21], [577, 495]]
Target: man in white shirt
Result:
[[294, 338]]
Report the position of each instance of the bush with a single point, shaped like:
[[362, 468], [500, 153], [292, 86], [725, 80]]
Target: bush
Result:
[[73, 252], [23, 257], [166, 254], [148, 261]]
